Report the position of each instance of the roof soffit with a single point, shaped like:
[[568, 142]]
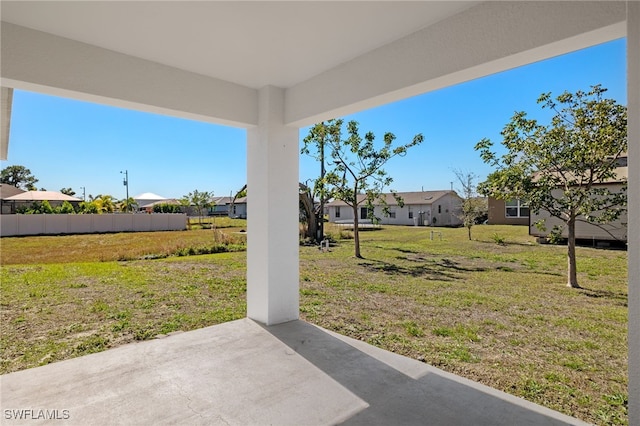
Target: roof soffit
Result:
[[253, 44]]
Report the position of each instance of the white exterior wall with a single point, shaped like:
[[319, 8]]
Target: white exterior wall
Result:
[[402, 215], [613, 231], [449, 206], [57, 224], [444, 211], [238, 211]]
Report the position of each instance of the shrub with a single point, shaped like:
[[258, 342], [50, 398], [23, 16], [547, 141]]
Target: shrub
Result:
[[498, 239], [167, 208], [65, 208], [345, 234]]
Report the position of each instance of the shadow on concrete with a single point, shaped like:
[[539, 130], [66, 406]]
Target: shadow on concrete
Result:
[[402, 391]]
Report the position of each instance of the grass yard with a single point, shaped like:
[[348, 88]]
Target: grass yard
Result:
[[497, 314]]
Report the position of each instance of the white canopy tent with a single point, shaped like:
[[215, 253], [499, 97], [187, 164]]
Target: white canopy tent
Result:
[[273, 67]]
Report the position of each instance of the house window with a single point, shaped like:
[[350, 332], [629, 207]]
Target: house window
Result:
[[364, 213], [392, 214], [410, 213], [516, 208], [337, 211], [439, 209]]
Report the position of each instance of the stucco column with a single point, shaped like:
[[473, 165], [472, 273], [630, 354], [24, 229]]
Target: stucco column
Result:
[[633, 132], [272, 213]]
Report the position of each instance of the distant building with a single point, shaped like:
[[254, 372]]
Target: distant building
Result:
[[614, 231], [147, 200], [424, 208], [6, 191], [509, 212], [238, 209], [28, 198], [221, 206]]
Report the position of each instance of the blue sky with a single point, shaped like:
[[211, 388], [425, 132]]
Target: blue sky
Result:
[[67, 143]]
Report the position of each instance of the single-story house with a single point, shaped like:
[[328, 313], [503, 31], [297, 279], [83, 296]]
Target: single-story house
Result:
[[221, 206], [27, 198], [508, 212], [612, 231], [6, 191], [423, 208], [147, 200], [238, 209]]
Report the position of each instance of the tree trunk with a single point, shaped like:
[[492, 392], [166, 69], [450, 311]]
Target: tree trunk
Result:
[[356, 234], [469, 232], [312, 222], [572, 278]]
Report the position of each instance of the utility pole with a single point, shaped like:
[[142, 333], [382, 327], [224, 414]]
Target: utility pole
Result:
[[126, 183], [84, 198]]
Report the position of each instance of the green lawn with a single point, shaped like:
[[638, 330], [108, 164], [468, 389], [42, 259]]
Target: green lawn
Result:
[[497, 314]]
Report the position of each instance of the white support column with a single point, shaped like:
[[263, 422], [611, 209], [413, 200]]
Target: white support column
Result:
[[272, 215], [5, 116], [633, 233]]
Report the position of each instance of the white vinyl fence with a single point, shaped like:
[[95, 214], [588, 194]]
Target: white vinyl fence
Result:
[[55, 224]]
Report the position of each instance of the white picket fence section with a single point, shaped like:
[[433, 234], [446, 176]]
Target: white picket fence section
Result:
[[56, 224]]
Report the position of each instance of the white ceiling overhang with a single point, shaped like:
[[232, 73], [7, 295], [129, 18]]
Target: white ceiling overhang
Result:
[[206, 60]]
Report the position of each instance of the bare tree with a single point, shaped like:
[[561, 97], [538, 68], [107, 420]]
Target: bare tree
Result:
[[473, 207]]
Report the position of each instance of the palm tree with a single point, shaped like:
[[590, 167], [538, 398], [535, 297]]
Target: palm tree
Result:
[[128, 205], [105, 203]]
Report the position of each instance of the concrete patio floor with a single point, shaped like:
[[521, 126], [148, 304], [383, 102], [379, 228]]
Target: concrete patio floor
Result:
[[243, 373]]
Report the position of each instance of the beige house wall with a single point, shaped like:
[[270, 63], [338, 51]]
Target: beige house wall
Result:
[[497, 214], [613, 231]]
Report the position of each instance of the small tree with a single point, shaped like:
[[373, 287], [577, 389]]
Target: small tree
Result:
[[68, 191], [356, 175], [473, 207], [200, 200], [18, 176], [559, 167], [320, 135]]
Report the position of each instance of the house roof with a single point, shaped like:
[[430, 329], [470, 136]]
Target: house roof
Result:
[[158, 202], [42, 196], [621, 174], [222, 200], [149, 196], [409, 198], [7, 190]]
